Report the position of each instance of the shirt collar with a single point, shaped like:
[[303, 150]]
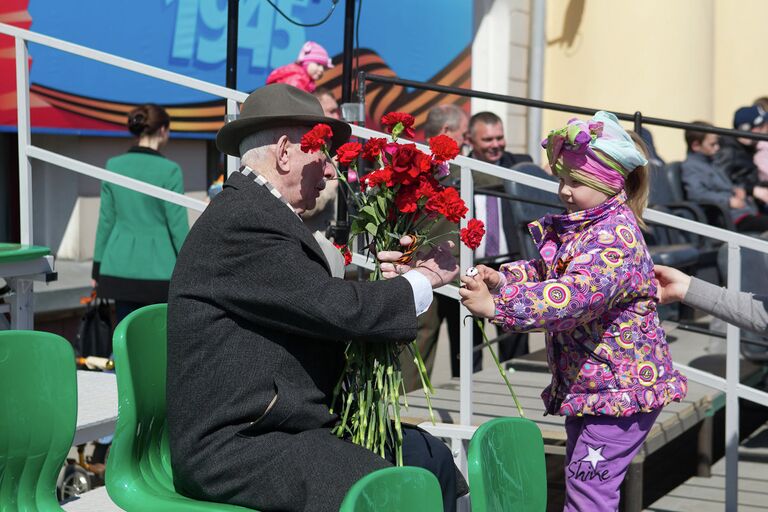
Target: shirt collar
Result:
[[261, 180]]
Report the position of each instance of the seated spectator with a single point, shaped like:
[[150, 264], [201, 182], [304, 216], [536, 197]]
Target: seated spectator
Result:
[[323, 214], [736, 157], [448, 120], [704, 182], [309, 67]]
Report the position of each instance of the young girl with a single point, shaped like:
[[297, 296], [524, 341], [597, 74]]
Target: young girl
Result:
[[593, 292], [309, 67]]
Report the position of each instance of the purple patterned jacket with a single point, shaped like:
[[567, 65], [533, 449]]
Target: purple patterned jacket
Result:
[[593, 294]]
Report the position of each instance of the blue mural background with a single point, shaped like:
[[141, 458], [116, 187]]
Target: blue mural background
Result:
[[416, 38]]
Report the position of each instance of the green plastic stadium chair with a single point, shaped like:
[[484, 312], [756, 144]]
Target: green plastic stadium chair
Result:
[[38, 414], [139, 476], [507, 471], [404, 489]]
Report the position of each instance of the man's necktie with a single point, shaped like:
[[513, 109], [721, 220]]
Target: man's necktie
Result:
[[492, 227]]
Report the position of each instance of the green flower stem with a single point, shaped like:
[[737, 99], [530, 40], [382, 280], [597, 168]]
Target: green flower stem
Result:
[[370, 388], [426, 385], [342, 178], [498, 365]]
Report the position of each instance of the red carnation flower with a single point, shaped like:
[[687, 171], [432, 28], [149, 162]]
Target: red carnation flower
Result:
[[408, 163], [448, 203], [473, 234], [428, 186], [407, 198], [443, 148], [391, 120], [344, 252], [314, 140], [377, 178], [373, 148], [349, 152]]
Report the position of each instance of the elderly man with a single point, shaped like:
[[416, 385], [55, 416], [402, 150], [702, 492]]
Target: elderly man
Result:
[[448, 119], [257, 324]]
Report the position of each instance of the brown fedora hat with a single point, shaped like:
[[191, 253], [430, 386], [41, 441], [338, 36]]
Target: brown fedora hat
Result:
[[277, 105]]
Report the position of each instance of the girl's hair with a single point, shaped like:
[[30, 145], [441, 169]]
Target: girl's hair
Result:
[[147, 119], [638, 183]]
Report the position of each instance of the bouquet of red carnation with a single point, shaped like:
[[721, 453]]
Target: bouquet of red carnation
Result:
[[401, 196]]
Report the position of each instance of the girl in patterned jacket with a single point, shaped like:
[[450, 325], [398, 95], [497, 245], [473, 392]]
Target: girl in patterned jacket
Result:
[[593, 292]]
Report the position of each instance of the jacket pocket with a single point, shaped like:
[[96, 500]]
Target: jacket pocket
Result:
[[275, 414]]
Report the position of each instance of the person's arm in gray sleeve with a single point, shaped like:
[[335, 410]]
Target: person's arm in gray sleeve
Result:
[[742, 309]]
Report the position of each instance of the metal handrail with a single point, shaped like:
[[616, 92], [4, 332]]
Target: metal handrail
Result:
[[122, 62], [638, 118]]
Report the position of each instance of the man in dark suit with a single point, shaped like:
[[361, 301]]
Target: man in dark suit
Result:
[[257, 325], [486, 137]]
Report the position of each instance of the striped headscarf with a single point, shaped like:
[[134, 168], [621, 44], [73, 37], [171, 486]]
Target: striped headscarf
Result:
[[598, 153]]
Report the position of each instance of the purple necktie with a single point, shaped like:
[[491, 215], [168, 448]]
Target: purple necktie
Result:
[[492, 226]]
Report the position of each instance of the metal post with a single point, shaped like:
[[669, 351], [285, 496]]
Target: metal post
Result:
[[466, 354], [25, 139], [22, 303], [233, 162], [732, 389], [536, 73], [349, 46], [232, 16], [340, 231], [638, 122], [361, 88]]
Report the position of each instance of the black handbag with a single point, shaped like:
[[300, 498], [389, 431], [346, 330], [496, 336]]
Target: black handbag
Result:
[[94, 335]]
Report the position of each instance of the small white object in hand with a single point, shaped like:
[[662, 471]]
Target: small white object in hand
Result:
[[471, 272]]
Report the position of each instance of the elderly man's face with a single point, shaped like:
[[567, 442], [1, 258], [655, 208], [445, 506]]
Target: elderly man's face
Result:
[[306, 179], [460, 134], [488, 142]]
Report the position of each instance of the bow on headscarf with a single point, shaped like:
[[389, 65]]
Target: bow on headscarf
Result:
[[598, 153]]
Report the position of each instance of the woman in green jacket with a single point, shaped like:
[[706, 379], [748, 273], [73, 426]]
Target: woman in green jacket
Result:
[[138, 236]]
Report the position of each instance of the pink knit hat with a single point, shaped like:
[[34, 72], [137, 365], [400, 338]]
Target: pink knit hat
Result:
[[313, 52]]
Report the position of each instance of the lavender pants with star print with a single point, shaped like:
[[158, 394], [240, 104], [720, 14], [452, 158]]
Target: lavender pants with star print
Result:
[[597, 455]]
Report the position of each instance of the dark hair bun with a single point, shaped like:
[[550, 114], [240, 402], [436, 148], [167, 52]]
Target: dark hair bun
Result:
[[147, 119], [137, 121]]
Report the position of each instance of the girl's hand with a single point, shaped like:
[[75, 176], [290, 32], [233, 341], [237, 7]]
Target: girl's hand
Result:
[[673, 284], [490, 277], [476, 297]]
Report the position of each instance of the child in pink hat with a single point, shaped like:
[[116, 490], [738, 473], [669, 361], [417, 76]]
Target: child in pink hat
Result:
[[309, 67]]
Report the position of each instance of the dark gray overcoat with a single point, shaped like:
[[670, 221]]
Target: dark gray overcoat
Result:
[[256, 326]]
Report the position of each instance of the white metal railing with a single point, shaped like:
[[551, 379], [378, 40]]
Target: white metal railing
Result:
[[459, 433]]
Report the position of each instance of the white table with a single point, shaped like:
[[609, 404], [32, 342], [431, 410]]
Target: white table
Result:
[[96, 405], [19, 275]]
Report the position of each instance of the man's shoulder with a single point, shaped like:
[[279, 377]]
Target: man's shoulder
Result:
[[510, 159]]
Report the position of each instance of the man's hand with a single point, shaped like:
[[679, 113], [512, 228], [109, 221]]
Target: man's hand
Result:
[[673, 284], [389, 268], [476, 297], [736, 202], [438, 265]]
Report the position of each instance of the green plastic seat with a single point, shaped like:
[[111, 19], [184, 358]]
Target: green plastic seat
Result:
[[139, 476], [38, 414], [404, 489], [16, 252], [507, 471]]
